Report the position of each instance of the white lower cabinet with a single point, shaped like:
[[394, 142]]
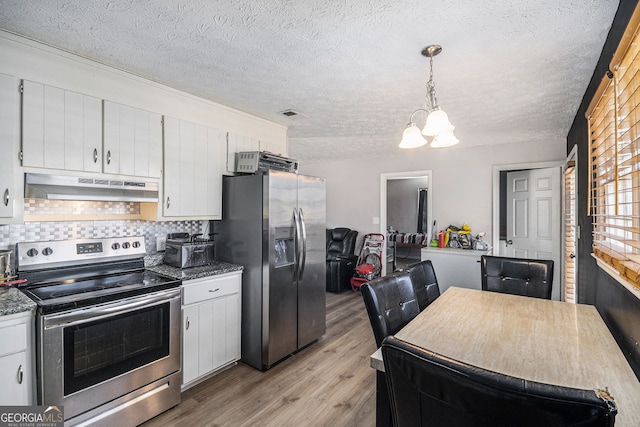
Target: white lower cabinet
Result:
[[16, 360], [211, 317], [455, 267]]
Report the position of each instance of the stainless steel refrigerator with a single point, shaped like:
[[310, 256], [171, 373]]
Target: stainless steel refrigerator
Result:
[[274, 226]]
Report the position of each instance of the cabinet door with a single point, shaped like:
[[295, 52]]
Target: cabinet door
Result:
[[92, 134], [73, 132], [132, 141], [10, 137], [190, 343], [14, 379], [187, 168], [216, 150], [171, 169], [193, 156], [155, 145], [32, 124], [233, 322], [43, 126], [61, 129]]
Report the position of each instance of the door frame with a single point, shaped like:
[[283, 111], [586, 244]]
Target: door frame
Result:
[[384, 177], [573, 156]]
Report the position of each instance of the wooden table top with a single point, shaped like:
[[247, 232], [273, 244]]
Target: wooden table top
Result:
[[539, 340]]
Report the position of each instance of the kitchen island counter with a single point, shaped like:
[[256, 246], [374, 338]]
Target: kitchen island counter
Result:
[[196, 272], [13, 301]]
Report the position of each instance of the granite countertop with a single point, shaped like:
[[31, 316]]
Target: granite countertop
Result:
[[195, 272], [13, 301]]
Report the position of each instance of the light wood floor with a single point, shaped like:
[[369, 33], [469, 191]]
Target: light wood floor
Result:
[[330, 383]]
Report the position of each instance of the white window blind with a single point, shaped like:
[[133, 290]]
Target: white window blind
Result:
[[614, 128], [570, 232]]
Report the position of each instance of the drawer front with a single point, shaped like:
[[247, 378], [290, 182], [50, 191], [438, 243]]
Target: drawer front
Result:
[[13, 338], [208, 288]]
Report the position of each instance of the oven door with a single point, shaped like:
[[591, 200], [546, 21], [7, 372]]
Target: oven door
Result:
[[93, 355]]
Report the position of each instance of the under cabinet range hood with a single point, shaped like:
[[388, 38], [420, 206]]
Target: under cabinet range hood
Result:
[[67, 187]]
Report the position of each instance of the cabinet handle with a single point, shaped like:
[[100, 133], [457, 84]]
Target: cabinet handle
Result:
[[214, 290], [95, 155], [187, 323], [168, 202], [20, 374], [6, 197], [109, 157]]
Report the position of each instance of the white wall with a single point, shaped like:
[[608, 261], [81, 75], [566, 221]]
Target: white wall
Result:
[[461, 185]]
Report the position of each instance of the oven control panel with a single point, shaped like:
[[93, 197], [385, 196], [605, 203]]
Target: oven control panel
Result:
[[36, 255]]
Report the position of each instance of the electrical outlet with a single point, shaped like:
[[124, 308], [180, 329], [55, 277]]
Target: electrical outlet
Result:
[[161, 243]]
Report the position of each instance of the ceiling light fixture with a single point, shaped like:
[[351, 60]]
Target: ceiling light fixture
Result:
[[438, 124]]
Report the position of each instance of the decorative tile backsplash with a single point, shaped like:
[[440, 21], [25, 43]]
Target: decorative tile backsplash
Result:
[[59, 230], [42, 231], [66, 207]]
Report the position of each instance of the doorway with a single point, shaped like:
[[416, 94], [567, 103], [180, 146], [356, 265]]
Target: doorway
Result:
[[401, 184], [534, 210]]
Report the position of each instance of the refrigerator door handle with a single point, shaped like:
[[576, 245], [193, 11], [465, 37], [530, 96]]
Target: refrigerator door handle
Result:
[[303, 227], [297, 245]]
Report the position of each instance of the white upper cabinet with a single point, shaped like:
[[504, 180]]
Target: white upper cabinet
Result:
[[132, 141], [10, 142], [193, 167], [60, 129]]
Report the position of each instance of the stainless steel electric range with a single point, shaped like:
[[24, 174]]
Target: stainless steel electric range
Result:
[[107, 330]]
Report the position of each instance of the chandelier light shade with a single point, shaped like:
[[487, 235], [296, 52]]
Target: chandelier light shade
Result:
[[438, 125], [446, 139], [412, 137]]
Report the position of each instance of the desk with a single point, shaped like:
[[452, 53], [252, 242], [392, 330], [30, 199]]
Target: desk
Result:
[[539, 340]]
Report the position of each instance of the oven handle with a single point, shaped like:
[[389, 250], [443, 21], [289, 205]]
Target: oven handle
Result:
[[71, 318]]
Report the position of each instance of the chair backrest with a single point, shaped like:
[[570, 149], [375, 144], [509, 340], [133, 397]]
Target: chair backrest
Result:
[[390, 302], [340, 241], [518, 276], [428, 389], [425, 284]]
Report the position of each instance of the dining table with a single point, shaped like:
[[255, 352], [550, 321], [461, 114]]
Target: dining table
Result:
[[540, 340]]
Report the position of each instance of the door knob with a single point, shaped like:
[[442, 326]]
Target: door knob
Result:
[[572, 256], [509, 242]]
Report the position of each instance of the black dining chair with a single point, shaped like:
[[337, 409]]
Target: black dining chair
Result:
[[425, 284], [517, 276], [426, 388], [390, 302]]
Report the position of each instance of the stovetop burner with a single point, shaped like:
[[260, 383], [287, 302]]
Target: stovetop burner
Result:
[[97, 273], [75, 294]]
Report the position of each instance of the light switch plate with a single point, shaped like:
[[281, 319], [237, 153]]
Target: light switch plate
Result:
[[161, 243]]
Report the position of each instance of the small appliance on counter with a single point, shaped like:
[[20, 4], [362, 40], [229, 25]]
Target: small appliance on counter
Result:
[[185, 251], [5, 266]]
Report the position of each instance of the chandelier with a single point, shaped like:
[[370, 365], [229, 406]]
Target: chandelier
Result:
[[438, 125]]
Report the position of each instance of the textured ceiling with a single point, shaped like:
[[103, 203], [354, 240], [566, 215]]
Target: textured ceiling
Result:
[[510, 71]]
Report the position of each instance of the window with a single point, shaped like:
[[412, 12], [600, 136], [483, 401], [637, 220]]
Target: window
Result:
[[614, 147]]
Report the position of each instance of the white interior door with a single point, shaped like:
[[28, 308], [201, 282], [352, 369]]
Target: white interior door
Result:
[[533, 217]]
